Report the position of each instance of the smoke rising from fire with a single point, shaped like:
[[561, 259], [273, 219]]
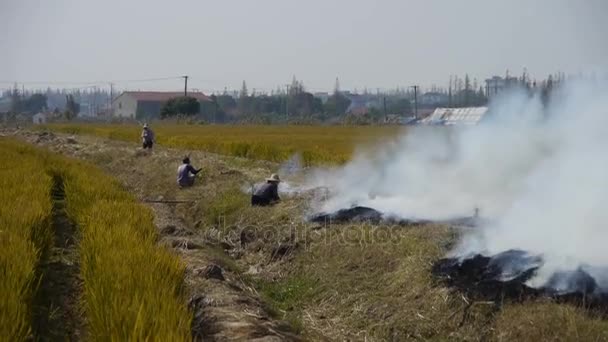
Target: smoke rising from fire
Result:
[[539, 174]]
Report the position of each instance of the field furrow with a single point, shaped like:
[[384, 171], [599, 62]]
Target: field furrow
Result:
[[58, 314]]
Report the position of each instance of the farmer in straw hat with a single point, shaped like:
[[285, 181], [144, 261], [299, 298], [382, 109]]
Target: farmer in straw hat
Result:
[[147, 137], [268, 193]]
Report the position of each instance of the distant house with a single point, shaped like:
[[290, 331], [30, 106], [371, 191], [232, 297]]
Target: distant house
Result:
[[322, 95], [497, 84], [434, 98], [455, 116], [146, 104], [358, 104], [39, 118]]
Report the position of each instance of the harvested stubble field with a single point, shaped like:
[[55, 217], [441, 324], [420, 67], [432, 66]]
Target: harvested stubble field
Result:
[[285, 279]]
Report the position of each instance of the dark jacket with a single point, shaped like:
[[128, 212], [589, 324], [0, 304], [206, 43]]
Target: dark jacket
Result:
[[269, 191]]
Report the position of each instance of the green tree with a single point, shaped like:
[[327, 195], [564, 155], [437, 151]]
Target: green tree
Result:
[[467, 91], [480, 98], [16, 101], [72, 108], [337, 104], [35, 103], [226, 102], [547, 89], [184, 105], [244, 101], [401, 106]]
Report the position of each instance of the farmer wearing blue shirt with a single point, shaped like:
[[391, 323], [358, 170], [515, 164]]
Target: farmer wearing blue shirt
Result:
[[186, 173], [268, 193]]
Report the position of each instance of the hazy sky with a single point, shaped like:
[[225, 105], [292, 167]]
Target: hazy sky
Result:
[[378, 44]]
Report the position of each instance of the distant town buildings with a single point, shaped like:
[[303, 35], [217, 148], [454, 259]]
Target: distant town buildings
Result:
[[497, 84], [146, 104]]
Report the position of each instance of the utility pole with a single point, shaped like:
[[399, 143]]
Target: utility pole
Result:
[[384, 103], [450, 93], [416, 101], [185, 85], [93, 108], [287, 102], [111, 98]]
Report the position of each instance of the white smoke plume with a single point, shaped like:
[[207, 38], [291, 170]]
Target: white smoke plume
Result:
[[538, 174]]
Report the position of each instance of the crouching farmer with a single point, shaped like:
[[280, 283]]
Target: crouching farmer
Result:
[[268, 193], [186, 173]]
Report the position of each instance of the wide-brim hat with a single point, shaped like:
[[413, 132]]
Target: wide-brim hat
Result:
[[274, 178]]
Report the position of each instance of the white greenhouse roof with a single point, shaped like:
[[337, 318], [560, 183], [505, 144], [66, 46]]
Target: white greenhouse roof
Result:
[[456, 116]]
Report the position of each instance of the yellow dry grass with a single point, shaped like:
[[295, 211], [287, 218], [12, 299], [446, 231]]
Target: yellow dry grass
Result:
[[132, 289], [25, 233], [549, 322], [315, 144]]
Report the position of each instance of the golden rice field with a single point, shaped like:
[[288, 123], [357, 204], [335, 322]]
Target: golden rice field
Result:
[[131, 289], [25, 235], [316, 144]]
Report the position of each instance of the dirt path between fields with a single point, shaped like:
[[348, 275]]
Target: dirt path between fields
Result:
[[57, 311], [225, 307]]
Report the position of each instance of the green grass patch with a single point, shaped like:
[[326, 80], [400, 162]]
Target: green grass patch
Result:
[[224, 208], [286, 298]]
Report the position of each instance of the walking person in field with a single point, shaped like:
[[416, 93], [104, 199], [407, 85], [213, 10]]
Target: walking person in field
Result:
[[267, 194], [147, 137], [186, 173]]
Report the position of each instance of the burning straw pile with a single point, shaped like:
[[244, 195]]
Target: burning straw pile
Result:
[[506, 277], [538, 172]]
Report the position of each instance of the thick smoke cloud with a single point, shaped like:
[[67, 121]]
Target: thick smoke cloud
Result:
[[538, 174]]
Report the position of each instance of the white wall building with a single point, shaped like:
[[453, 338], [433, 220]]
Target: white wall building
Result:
[[146, 104]]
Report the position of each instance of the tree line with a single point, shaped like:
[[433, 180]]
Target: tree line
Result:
[[38, 102], [293, 104]]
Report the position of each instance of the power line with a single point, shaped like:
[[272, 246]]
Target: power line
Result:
[[147, 80], [48, 83], [90, 82]]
